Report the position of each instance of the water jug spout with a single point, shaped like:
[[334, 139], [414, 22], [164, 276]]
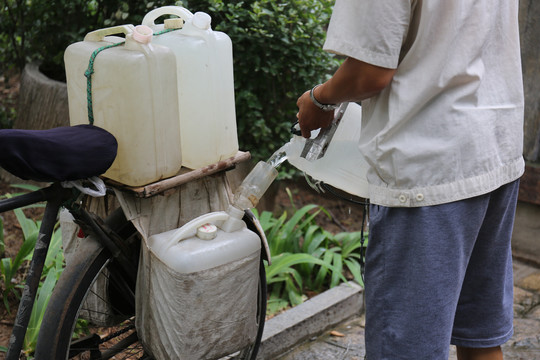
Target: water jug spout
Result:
[[234, 221], [250, 191], [316, 148]]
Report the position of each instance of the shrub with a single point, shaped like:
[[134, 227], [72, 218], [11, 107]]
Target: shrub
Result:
[[40, 30]]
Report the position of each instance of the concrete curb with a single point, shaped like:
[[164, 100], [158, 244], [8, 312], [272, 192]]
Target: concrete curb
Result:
[[318, 314]]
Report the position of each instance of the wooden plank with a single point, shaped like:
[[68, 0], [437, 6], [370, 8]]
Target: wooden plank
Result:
[[529, 188], [185, 176]]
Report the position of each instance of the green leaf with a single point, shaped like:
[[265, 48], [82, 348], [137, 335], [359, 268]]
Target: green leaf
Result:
[[28, 187], [2, 244], [355, 269], [55, 253], [338, 269], [324, 270], [6, 270], [284, 261], [28, 226], [26, 250], [275, 305], [295, 295], [40, 305]]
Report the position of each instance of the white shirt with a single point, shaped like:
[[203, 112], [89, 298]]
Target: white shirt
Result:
[[450, 124]]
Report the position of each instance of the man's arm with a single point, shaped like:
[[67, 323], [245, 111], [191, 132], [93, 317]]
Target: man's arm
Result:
[[354, 81]]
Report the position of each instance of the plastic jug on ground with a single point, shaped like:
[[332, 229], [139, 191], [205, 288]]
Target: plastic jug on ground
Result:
[[132, 89], [205, 84]]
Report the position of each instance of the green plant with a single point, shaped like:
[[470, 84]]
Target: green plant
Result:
[[306, 257], [10, 266]]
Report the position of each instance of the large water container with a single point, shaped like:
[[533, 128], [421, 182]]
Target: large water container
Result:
[[198, 284], [134, 97], [343, 166], [205, 84]]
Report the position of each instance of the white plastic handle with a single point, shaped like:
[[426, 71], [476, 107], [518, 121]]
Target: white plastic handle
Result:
[[190, 229], [150, 18], [98, 35], [101, 189]]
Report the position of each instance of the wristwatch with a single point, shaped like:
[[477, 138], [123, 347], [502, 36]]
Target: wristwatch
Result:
[[324, 107]]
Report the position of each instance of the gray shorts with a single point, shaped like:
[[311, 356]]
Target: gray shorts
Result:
[[440, 275]]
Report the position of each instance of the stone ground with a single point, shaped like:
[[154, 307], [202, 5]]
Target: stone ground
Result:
[[346, 342]]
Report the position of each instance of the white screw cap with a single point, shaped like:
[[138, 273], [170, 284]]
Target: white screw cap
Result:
[[201, 20], [142, 34], [207, 232]]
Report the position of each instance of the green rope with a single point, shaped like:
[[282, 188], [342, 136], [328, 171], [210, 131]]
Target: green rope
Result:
[[88, 75], [90, 71], [164, 31]]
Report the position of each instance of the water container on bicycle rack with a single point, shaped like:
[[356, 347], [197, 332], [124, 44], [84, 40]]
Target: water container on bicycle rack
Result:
[[133, 96], [197, 288], [205, 84]]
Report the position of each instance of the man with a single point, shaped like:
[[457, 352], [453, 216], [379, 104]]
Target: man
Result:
[[442, 99]]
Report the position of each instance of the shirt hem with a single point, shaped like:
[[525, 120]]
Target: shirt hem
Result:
[[445, 193]]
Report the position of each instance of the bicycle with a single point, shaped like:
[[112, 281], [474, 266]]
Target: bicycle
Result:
[[109, 249]]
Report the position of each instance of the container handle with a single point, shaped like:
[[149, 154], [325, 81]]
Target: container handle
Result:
[[191, 227], [98, 35], [150, 18]]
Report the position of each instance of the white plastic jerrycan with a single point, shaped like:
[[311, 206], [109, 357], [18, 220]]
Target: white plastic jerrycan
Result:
[[133, 96], [206, 242], [343, 166], [205, 84], [199, 283]]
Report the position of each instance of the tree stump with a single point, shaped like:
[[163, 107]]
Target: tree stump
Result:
[[43, 102]]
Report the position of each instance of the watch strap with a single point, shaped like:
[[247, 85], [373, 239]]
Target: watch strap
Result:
[[324, 107]]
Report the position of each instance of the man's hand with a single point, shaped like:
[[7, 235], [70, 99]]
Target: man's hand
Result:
[[354, 80], [310, 117]]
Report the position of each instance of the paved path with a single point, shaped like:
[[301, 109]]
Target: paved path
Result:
[[524, 345]]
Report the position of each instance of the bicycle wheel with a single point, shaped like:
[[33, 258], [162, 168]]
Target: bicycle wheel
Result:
[[68, 302]]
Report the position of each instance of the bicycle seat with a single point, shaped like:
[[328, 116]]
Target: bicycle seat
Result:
[[58, 154]]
